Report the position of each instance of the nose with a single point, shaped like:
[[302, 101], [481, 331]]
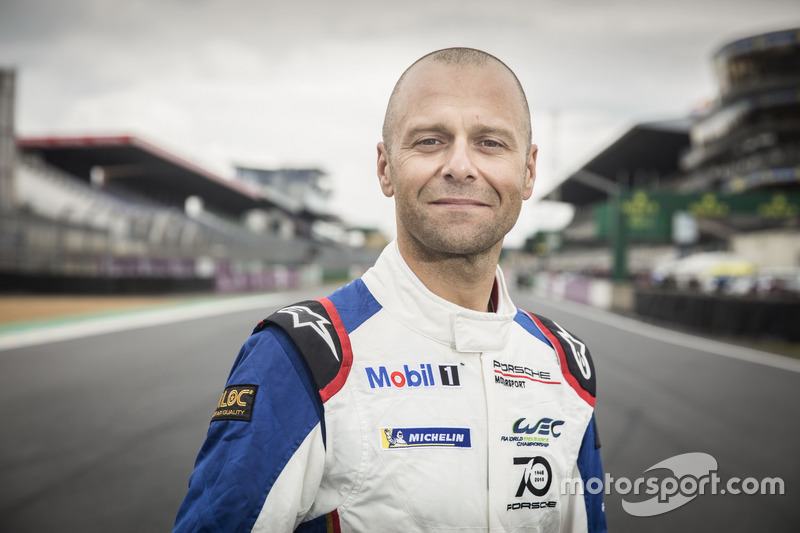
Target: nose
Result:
[[458, 163]]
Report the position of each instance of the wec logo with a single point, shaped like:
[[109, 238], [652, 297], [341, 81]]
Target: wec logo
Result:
[[545, 426], [424, 377], [538, 435]]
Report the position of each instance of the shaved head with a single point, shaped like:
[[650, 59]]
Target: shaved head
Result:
[[455, 57]]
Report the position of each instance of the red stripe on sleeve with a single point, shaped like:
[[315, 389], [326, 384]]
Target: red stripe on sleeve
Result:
[[562, 357], [347, 353]]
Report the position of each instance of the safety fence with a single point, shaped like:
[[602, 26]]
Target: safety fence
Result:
[[773, 318], [38, 254], [64, 234]]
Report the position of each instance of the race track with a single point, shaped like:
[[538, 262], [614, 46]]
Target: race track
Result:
[[100, 431], [663, 393]]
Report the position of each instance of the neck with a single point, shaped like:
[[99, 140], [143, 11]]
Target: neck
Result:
[[465, 280]]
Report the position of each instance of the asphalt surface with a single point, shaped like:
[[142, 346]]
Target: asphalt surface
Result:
[[100, 432], [660, 397]]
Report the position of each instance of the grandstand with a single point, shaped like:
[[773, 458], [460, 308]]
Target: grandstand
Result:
[[733, 167], [750, 138], [694, 221], [119, 214], [644, 157]]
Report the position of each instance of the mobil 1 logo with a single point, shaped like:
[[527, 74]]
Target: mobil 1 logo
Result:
[[449, 375], [413, 376]]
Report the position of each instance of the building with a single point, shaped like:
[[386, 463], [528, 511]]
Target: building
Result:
[[301, 192], [115, 213], [750, 138], [731, 173]]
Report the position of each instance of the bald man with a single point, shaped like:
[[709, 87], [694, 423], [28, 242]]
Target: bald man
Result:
[[418, 397]]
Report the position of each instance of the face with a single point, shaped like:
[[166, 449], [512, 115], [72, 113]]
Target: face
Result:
[[459, 166]]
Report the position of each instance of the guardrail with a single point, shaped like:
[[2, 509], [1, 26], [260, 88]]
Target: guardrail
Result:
[[765, 318], [744, 316], [40, 254]]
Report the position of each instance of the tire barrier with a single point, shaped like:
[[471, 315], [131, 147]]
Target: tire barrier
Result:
[[748, 317]]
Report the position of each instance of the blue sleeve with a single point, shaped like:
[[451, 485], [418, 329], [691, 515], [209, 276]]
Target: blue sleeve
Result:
[[241, 460], [590, 466]]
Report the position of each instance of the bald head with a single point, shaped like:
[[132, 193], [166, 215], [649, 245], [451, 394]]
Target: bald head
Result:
[[452, 57]]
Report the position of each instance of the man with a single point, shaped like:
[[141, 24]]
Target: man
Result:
[[417, 397]]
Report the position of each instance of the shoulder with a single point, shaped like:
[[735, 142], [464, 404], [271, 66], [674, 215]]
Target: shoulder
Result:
[[319, 331], [573, 354]]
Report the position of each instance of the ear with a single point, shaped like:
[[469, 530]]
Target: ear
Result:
[[530, 172], [384, 173]]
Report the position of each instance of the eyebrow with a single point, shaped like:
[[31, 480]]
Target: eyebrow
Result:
[[438, 127], [441, 127], [494, 131]]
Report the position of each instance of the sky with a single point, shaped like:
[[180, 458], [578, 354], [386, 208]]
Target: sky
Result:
[[305, 83]]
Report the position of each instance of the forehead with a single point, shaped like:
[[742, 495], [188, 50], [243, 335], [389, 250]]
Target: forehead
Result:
[[489, 89]]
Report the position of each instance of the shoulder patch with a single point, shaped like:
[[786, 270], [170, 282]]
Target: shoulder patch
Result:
[[316, 329], [576, 361], [236, 403]]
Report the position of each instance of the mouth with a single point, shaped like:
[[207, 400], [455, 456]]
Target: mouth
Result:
[[459, 203]]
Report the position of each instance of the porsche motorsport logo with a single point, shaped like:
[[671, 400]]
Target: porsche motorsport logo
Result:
[[517, 376]]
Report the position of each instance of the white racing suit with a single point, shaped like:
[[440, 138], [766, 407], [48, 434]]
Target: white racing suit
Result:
[[386, 408]]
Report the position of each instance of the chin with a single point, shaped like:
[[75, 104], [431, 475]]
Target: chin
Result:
[[464, 244]]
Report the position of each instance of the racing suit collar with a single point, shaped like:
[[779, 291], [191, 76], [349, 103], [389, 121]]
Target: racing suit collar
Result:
[[405, 298]]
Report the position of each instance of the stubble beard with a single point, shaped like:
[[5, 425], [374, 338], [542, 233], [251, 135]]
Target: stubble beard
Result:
[[455, 234]]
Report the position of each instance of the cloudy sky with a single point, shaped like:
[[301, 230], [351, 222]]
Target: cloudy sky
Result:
[[305, 82]]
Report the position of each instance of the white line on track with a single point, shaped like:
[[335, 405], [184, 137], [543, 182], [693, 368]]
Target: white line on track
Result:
[[678, 338], [67, 329], [74, 329]]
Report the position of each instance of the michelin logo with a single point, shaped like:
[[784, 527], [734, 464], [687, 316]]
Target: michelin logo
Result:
[[396, 440], [392, 438]]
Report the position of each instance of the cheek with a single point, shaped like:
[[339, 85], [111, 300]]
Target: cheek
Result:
[[404, 194], [508, 179], [410, 179]]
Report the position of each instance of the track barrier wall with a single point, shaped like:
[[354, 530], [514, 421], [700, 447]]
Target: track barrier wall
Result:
[[763, 318]]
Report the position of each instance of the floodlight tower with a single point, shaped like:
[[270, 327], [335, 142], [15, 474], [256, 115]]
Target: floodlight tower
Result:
[[7, 140]]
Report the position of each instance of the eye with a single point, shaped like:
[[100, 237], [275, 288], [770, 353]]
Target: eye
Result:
[[428, 142], [491, 143]]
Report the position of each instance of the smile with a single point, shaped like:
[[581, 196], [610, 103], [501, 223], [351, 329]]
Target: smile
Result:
[[459, 203]]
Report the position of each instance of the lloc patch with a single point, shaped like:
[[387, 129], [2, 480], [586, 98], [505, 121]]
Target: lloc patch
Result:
[[236, 403]]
